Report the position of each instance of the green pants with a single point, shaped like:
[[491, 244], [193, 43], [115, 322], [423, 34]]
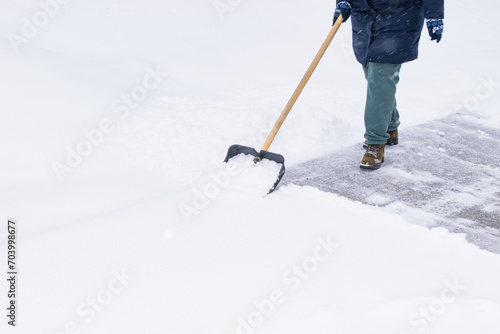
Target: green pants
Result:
[[381, 114]]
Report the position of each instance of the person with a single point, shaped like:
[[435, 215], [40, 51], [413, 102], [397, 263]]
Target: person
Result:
[[386, 34]]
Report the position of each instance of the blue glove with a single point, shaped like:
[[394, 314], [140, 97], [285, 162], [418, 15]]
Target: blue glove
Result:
[[343, 8], [435, 27]]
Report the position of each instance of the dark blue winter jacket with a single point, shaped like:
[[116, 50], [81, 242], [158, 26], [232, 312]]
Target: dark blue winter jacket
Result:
[[388, 31]]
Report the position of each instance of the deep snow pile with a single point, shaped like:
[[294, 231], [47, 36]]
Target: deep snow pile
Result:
[[116, 116]]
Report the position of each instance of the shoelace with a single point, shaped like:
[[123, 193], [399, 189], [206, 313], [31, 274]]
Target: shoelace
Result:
[[373, 150]]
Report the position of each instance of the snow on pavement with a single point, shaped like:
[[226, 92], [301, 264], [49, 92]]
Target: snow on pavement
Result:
[[440, 174]]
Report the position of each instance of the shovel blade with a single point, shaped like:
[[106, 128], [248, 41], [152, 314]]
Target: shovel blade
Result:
[[278, 158]]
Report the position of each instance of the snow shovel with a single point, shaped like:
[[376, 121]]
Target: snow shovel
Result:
[[235, 150]]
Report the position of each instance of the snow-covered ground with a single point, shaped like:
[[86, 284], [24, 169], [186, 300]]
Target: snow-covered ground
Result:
[[116, 116]]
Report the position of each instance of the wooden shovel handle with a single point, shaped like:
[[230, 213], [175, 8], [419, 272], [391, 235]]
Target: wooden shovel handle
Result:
[[302, 84]]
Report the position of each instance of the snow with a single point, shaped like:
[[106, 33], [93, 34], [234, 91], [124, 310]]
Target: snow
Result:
[[250, 180], [116, 116]]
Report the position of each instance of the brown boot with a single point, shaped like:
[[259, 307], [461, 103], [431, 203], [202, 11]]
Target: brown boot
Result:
[[374, 157], [393, 139]]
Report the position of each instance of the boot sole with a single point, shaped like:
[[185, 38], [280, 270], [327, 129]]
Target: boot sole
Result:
[[391, 142], [372, 167]]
